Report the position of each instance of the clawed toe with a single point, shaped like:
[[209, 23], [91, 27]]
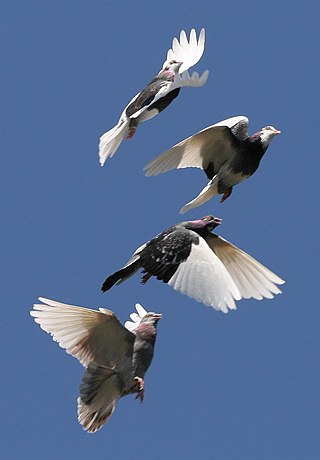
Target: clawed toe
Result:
[[140, 388]]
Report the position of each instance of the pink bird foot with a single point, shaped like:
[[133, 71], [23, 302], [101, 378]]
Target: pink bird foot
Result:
[[131, 132], [226, 195], [140, 388]]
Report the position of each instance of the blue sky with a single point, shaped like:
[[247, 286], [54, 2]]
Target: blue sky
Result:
[[238, 386]]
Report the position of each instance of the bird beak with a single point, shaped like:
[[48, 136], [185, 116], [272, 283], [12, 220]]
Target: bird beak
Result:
[[217, 221], [157, 316], [277, 132]]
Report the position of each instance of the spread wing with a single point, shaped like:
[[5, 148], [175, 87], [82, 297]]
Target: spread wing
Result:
[[194, 80], [251, 277], [189, 52], [212, 146], [135, 318], [86, 334], [203, 277]]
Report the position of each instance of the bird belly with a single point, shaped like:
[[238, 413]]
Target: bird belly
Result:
[[230, 179]]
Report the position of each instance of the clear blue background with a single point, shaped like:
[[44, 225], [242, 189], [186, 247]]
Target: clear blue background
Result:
[[238, 386]]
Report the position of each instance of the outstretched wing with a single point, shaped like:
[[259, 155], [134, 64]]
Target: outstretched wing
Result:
[[212, 146], [86, 334], [204, 278], [189, 52], [194, 80], [136, 317], [251, 277]]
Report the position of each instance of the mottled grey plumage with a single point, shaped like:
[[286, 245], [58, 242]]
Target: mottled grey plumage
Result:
[[225, 152], [201, 265], [116, 357]]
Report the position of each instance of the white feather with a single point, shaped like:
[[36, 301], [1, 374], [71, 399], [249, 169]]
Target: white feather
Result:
[[210, 190], [136, 318], [187, 52], [203, 277], [84, 333], [251, 277]]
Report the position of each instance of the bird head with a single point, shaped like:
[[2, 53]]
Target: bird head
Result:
[[267, 133], [207, 222], [173, 66], [151, 318]]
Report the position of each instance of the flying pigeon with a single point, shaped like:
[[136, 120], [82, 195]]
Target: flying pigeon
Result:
[[201, 265], [116, 357], [159, 93], [226, 153]]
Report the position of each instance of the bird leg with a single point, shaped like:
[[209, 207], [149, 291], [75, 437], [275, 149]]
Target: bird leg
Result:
[[132, 128], [139, 388], [226, 195], [131, 132], [145, 277]]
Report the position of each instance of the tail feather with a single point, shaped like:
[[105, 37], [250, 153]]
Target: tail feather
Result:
[[121, 275], [210, 190], [111, 140], [99, 391]]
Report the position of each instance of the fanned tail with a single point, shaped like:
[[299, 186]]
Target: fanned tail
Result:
[[210, 190], [111, 140], [99, 392]]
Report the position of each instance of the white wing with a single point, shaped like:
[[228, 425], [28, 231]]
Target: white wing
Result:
[[194, 80], [135, 318], [203, 277], [212, 144], [251, 277], [188, 52], [86, 334]]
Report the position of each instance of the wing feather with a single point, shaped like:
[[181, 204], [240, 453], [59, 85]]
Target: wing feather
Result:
[[205, 279], [212, 144], [251, 277], [86, 334], [189, 52]]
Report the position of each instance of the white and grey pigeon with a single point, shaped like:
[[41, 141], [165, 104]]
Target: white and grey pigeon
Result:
[[116, 357], [159, 93], [226, 153], [201, 265]]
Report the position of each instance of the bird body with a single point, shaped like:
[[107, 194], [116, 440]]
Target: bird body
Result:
[[225, 152], [159, 93], [116, 357], [200, 264]]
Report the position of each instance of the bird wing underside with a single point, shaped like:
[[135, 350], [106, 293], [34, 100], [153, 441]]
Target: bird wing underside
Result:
[[86, 334], [203, 277], [251, 277], [211, 147]]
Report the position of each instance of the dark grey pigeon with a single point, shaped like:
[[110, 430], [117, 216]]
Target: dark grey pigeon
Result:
[[159, 93], [116, 357], [201, 265], [226, 153]]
